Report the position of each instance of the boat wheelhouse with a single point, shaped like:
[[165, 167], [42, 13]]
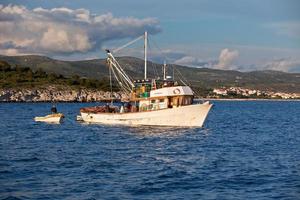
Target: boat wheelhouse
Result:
[[155, 95]]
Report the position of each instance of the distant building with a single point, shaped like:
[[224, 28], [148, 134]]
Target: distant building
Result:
[[220, 91], [253, 92]]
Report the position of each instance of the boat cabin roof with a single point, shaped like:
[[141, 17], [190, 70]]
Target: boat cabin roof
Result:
[[172, 91]]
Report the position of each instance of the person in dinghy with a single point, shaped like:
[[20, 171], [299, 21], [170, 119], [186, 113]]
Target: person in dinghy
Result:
[[54, 117]]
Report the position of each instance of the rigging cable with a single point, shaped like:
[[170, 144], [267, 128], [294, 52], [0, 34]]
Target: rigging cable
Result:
[[175, 69], [127, 44], [110, 82]]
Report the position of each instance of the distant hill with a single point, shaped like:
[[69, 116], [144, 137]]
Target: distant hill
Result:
[[15, 77], [198, 77]]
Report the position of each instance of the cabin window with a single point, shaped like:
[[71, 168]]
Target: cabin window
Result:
[[181, 101], [161, 100], [186, 100], [175, 101], [153, 101]]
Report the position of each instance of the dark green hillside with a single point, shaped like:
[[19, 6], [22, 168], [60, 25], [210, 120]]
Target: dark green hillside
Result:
[[263, 80], [91, 69], [198, 77], [24, 77]]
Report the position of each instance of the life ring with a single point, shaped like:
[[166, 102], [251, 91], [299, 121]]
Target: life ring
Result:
[[176, 91]]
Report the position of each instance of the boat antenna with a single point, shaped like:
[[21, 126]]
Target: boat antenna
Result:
[[173, 73], [145, 53], [165, 65]]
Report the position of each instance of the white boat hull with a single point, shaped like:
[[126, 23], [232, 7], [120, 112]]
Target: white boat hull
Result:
[[53, 118], [184, 116]]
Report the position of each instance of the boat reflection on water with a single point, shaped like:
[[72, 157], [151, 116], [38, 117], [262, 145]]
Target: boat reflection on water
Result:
[[147, 131], [161, 131]]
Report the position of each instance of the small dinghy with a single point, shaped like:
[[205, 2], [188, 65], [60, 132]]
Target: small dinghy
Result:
[[52, 118]]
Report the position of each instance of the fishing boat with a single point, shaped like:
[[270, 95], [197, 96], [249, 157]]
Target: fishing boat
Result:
[[52, 118], [155, 102]]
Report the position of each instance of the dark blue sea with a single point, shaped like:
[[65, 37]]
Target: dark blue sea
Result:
[[246, 150]]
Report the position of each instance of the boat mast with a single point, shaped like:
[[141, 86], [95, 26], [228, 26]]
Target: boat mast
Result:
[[145, 53], [110, 83], [165, 65]]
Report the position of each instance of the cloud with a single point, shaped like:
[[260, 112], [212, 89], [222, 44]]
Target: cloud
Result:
[[10, 52], [226, 59], [64, 31], [192, 61], [283, 64], [169, 55], [224, 62], [290, 29], [156, 55]]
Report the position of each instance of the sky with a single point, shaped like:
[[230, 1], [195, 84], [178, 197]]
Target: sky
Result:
[[243, 35]]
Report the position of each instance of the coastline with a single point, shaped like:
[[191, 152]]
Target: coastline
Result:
[[252, 99], [71, 95], [54, 94]]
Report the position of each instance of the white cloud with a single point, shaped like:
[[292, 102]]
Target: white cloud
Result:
[[192, 61], [155, 55], [63, 30], [290, 28], [260, 58], [224, 62], [226, 59], [283, 64], [9, 52], [186, 60]]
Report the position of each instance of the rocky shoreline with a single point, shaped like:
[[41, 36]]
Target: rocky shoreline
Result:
[[53, 94]]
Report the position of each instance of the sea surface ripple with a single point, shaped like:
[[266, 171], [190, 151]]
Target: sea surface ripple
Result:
[[246, 150]]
